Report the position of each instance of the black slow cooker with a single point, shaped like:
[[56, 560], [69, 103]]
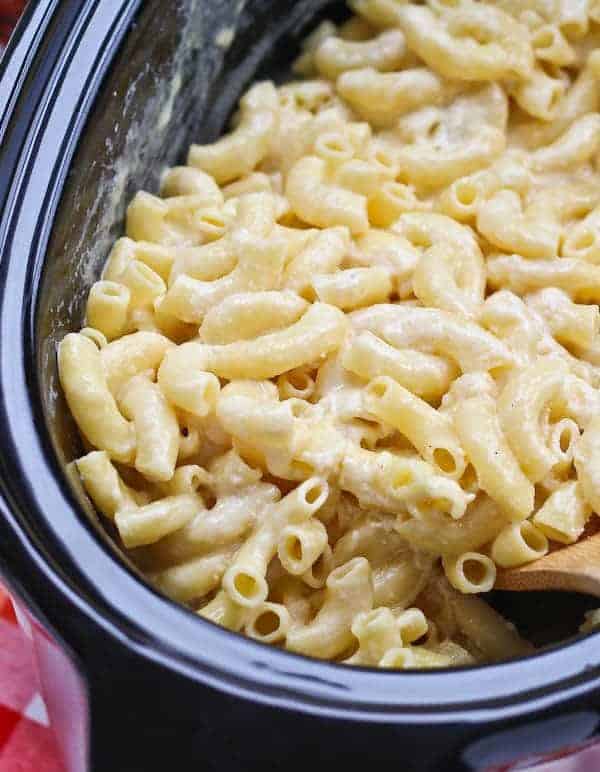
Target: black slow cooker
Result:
[[97, 97]]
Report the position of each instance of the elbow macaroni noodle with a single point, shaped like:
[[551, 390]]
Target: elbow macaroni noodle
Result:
[[345, 367]]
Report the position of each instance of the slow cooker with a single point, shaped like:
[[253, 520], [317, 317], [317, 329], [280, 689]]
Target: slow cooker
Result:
[[97, 97]]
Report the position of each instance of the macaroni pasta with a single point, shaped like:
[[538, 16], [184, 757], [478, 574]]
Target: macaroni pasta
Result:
[[343, 368]]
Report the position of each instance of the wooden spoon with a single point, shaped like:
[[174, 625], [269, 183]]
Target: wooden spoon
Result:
[[575, 568]]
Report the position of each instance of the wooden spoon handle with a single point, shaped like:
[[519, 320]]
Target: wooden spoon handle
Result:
[[550, 579], [575, 568]]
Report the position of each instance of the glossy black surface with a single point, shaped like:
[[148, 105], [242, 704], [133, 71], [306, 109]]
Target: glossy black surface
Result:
[[167, 688]]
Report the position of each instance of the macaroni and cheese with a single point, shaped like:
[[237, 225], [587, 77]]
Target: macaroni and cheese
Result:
[[345, 367]]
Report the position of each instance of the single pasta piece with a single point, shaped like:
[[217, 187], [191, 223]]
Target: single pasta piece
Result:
[[504, 224], [437, 332], [427, 229], [300, 546], [368, 177], [250, 315], [481, 523], [204, 263], [517, 544], [425, 375], [321, 203], [384, 53], [188, 181], [428, 430], [564, 437], [156, 428], [104, 485], [463, 198], [498, 472], [564, 514], [381, 98], [255, 182], [348, 592], [268, 623], [189, 479], [108, 308], [305, 64], [239, 153], [354, 288], [356, 29], [90, 400], [152, 522], [193, 579], [445, 654], [413, 625], [451, 279], [540, 95], [429, 166], [336, 148], [193, 389], [470, 572], [391, 200], [526, 395]]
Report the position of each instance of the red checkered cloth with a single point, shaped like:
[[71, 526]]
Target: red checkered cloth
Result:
[[10, 10], [27, 743]]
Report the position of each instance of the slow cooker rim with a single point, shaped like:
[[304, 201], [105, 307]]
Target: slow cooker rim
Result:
[[244, 667]]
